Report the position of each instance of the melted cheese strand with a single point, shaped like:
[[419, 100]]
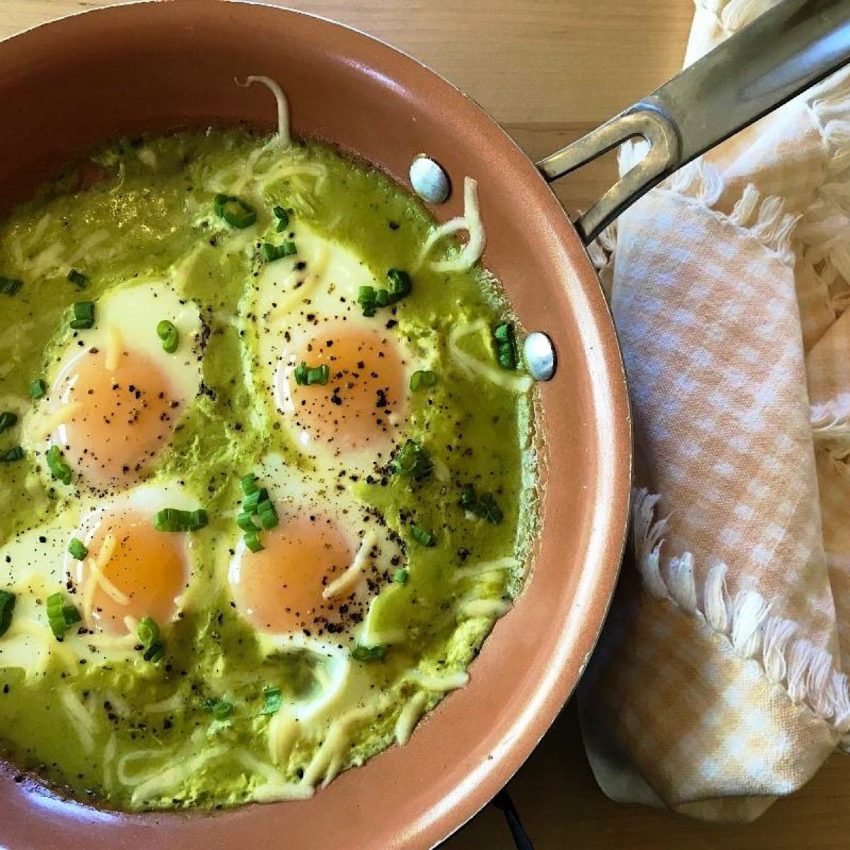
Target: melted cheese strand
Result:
[[436, 682], [471, 221], [484, 567], [485, 608], [276, 787], [472, 366], [283, 135], [346, 583], [409, 716], [176, 702], [109, 753], [82, 720], [44, 426], [131, 780], [113, 347], [171, 777], [97, 578], [327, 761]]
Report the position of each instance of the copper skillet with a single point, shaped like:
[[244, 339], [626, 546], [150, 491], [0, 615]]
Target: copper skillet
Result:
[[72, 84]]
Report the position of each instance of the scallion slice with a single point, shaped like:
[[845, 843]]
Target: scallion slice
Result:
[[400, 576], [236, 212], [173, 519], [422, 379], [307, 375], [220, 709], [270, 252], [58, 468], [83, 315], [248, 483], [282, 217], [10, 285], [504, 343], [483, 505], [268, 515], [77, 549], [252, 541], [60, 615], [80, 280], [400, 284], [272, 700], [37, 388], [170, 336], [153, 648], [368, 653], [412, 461], [7, 608], [7, 420], [367, 299], [11, 455], [420, 535]]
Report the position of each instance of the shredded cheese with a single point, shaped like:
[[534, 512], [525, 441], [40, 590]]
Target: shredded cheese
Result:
[[170, 778], [114, 344], [346, 583], [409, 717], [109, 752], [327, 761], [472, 366], [435, 682], [88, 245], [485, 608], [148, 157], [176, 702], [484, 567], [132, 779], [283, 730], [96, 577], [470, 221], [45, 425], [283, 135], [81, 719], [275, 787]]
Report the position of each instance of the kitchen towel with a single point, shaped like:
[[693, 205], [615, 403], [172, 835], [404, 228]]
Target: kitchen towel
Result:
[[720, 680]]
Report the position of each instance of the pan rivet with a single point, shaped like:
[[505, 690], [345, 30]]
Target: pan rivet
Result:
[[429, 179], [539, 356]]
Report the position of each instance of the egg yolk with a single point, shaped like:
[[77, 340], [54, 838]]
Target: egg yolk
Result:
[[131, 570], [279, 589], [364, 398], [118, 418]]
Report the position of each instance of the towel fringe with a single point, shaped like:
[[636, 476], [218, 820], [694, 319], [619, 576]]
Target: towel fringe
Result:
[[806, 672], [733, 15]]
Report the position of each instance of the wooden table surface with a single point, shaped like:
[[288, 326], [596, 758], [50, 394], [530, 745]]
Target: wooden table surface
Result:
[[549, 71]]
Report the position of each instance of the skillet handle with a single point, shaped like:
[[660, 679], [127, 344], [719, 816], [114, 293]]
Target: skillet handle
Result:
[[786, 50]]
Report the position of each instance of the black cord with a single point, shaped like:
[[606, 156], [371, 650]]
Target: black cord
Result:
[[505, 804]]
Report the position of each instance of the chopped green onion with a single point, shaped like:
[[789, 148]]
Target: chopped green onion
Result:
[[7, 607], [248, 483], [252, 501], [268, 515], [7, 420], [504, 341], [37, 388], [221, 709], [421, 536], [270, 252], [252, 541], [282, 217], [489, 510], [173, 519], [58, 468], [484, 505], [153, 647], [272, 700], [11, 455], [170, 336], [412, 461], [367, 299], [234, 211], [400, 576], [80, 280], [369, 653], [245, 521], [422, 378], [60, 616], [307, 375], [10, 285], [400, 285], [83, 315], [77, 549]]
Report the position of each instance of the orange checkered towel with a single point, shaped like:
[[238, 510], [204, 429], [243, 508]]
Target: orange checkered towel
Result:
[[720, 681]]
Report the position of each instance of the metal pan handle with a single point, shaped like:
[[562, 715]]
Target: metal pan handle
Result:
[[783, 52]]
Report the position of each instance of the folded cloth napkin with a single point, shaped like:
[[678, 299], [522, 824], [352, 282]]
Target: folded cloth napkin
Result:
[[719, 682]]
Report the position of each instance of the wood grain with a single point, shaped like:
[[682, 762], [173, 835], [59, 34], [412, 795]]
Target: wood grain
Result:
[[550, 70]]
